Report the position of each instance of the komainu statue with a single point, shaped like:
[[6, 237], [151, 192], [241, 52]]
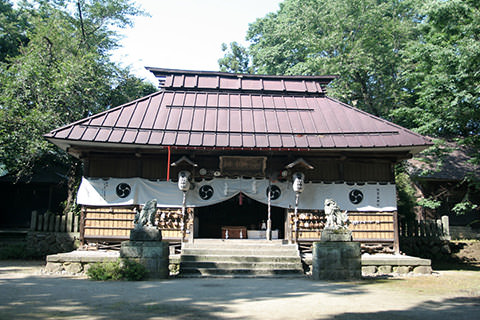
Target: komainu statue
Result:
[[336, 219], [146, 217]]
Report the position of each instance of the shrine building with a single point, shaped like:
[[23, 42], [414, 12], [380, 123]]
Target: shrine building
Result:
[[220, 152]]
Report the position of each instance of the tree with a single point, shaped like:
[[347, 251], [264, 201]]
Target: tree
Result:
[[410, 61], [441, 70], [12, 30], [360, 40], [236, 59], [63, 73]]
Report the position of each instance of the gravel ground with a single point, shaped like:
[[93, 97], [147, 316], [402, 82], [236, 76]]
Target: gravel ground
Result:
[[27, 293]]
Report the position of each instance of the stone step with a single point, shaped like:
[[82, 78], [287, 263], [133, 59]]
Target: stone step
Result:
[[237, 241], [239, 245], [240, 252], [12, 236], [244, 258], [241, 265], [218, 272], [238, 258]]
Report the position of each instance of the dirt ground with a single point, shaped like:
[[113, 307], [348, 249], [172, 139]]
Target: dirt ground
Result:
[[466, 251], [27, 293]]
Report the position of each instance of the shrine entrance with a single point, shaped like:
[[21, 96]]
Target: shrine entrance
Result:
[[238, 213]]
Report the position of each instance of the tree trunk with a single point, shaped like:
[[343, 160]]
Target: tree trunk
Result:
[[74, 175]]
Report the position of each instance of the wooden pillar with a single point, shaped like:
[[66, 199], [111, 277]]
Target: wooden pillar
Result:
[[446, 226], [33, 220], [288, 226], [82, 224], [396, 238], [295, 218], [269, 220], [183, 218], [190, 224]]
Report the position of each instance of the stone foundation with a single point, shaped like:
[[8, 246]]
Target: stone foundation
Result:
[[77, 262], [428, 248], [45, 243], [336, 260], [378, 265], [153, 255], [384, 265]]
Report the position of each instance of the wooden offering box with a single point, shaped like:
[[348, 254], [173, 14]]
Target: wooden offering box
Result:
[[234, 232]]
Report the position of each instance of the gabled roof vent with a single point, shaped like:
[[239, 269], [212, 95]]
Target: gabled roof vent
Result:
[[161, 81]]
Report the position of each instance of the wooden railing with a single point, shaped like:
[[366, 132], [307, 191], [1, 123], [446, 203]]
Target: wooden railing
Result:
[[49, 222], [425, 228]]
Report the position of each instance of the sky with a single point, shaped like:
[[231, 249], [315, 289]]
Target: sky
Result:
[[186, 34]]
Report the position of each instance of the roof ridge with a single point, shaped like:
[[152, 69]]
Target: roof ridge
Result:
[[165, 71]]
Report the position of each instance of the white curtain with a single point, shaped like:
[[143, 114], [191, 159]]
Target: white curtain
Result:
[[133, 191]]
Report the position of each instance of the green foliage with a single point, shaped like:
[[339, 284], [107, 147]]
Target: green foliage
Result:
[[464, 207], [102, 271], [338, 37], [441, 70], [117, 270], [429, 203], [405, 192], [12, 31], [236, 59], [133, 271], [410, 61], [62, 73]]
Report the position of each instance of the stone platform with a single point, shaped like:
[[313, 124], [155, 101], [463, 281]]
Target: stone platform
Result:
[[380, 264], [76, 262], [387, 264]]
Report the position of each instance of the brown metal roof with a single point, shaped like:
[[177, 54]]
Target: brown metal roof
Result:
[[452, 163], [220, 110], [205, 80]]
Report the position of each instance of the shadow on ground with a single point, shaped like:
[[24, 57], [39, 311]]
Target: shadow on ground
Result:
[[453, 308], [40, 297], [48, 297]]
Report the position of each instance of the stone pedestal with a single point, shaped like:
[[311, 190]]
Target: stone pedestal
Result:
[[145, 234], [336, 257], [336, 235], [146, 248]]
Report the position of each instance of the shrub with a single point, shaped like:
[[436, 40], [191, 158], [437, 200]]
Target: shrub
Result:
[[117, 270], [107, 270], [133, 271]]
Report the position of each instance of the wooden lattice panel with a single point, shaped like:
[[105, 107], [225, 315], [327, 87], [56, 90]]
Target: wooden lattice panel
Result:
[[308, 235], [368, 226], [108, 222], [170, 222], [372, 226]]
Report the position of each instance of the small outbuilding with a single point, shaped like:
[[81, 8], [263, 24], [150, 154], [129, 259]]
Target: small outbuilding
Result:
[[220, 153]]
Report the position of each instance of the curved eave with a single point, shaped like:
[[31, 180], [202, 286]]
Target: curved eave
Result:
[[67, 146]]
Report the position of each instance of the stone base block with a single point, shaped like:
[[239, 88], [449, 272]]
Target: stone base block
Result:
[[385, 269], [153, 255], [422, 270], [336, 235], [145, 234], [369, 270], [336, 261]]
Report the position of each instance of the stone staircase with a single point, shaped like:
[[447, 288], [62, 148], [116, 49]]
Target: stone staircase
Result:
[[12, 236], [240, 258]]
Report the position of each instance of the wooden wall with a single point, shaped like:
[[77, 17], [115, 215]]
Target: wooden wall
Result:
[[155, 167], [374, 230]]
